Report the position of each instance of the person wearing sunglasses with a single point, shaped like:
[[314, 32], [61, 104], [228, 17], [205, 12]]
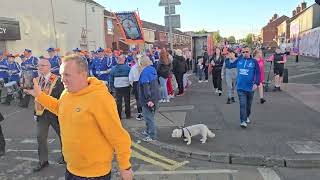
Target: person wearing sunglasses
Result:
[[248, 80]]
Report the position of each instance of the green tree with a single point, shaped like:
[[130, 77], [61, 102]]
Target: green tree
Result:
[[248, 39], [231, 39], [216, 37], [202, 31]]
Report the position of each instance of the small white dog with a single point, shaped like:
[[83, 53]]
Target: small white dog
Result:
[[188, 132]]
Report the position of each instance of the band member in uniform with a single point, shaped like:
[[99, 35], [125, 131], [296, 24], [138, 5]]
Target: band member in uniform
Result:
[[14, 70], [4, 74], [51, 85], [101, 66], [54, 60], [29, 66], [129, 58]]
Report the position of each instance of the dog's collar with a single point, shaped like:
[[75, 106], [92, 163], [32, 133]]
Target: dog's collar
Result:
[[183, 136]]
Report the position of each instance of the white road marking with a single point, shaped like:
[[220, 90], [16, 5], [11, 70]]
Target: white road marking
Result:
[[268, 174], [34, 141], [29, 141], [56, 151], [22, 150], [30, 159], [13, 113], [302, 75], [211, 171]]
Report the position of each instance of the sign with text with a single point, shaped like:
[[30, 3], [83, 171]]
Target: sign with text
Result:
[[9, 30], [171, 2], [175, 21], [172, 10]]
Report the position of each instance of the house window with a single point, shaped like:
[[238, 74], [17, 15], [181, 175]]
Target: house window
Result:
[[93, 10], [109, 26]]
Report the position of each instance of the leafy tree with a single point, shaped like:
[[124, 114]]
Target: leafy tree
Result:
[[231, 39]]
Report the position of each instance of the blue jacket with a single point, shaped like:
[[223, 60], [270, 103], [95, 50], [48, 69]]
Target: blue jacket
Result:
[[119, 76], [55, 65], [31, 65], [14, 70], [149, 89], [4, 68], [248, 73], [100, 67], [129, 59]]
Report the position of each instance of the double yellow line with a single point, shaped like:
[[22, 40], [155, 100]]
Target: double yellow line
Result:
[[154, 158]]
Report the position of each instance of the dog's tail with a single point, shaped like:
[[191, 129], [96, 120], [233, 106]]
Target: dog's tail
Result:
[[211, 134]]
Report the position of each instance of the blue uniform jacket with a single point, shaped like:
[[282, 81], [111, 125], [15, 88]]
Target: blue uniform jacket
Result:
[[14, 71], [55, 65], [4, 68], [30, 65], [100, 67]]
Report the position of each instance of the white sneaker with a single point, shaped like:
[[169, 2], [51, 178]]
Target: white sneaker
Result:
[[200, 81], [243, 125], [167, 100], [161, 101], [217, 91], [248, 121], [206, 81], [171, 96]]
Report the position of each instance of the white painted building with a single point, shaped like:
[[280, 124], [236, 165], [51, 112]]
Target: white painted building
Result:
[[52, 23]]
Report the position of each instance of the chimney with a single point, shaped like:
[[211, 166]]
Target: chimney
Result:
[[303, 6], [275, 16], [298, 9], [294, 13], [270, 21]]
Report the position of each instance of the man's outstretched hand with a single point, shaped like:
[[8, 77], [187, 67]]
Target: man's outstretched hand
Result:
[[36, 91]]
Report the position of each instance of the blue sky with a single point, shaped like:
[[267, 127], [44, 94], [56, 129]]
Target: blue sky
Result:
[[230, 17]]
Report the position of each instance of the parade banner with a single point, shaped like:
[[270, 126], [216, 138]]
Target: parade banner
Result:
[[131, 27], [309, 44]]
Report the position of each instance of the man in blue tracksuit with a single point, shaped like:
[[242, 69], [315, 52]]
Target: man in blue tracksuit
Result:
[[54, 60], [149, 95], [119, 80], [248, 81]]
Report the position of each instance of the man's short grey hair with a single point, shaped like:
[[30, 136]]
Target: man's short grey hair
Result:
[[80, 61]]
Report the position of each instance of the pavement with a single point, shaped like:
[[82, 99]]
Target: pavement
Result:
[[284, 131]]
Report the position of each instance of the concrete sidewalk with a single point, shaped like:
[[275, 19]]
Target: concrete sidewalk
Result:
[[284, 131]]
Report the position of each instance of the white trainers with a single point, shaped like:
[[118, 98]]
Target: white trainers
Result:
[[243, 125], [166, 100], [248, 121], [206, 81], [200, 81], [171, 96], [161, 101], [217, 91]]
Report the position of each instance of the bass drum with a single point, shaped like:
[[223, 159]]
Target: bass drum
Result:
[[27, 82]]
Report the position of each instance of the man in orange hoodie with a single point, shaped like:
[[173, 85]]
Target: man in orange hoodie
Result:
[[90, 126]]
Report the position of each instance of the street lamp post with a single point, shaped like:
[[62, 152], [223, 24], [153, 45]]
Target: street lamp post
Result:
[[170, 26]]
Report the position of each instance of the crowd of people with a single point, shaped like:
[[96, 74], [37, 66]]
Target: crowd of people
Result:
[[243, 71], [84, 91]]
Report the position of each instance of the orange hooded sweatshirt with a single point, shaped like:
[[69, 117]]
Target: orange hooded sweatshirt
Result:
[[90, 130]]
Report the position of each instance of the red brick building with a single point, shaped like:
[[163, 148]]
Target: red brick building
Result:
[[269, 33], [112, 31]]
